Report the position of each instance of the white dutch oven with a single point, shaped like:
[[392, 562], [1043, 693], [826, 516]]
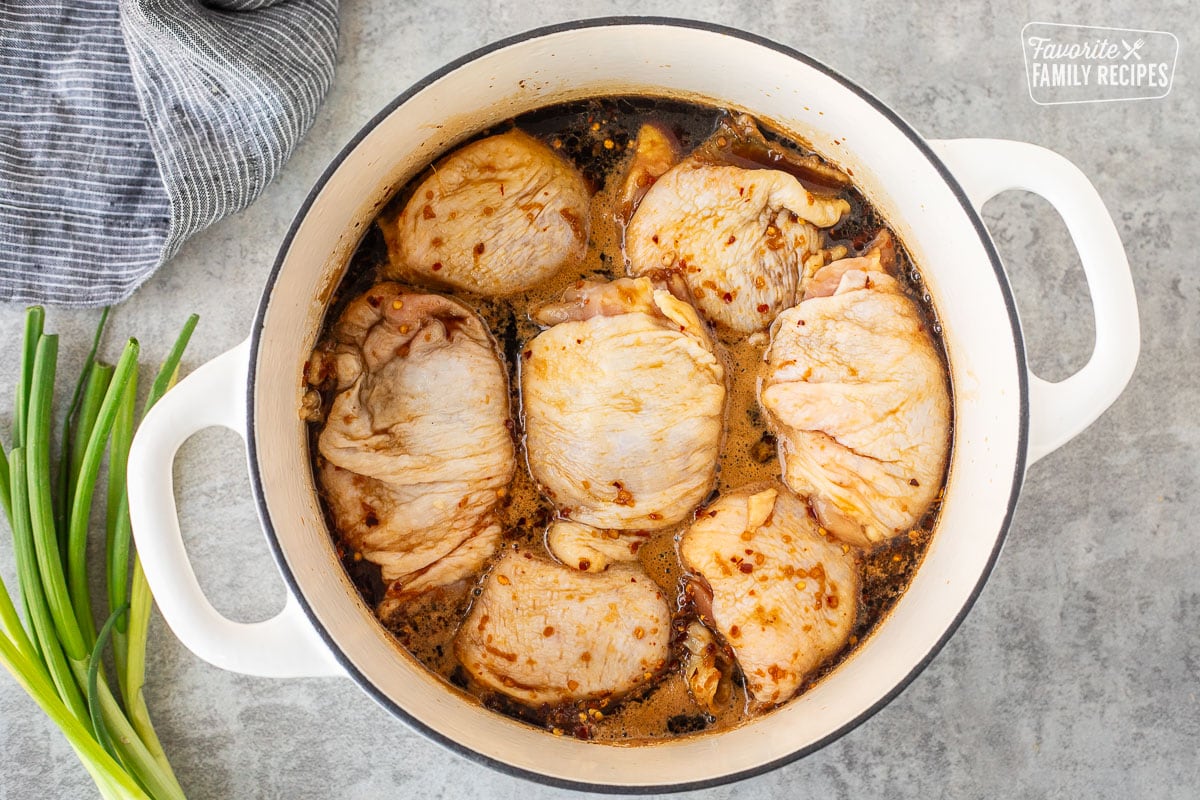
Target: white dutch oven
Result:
[[931, 193]]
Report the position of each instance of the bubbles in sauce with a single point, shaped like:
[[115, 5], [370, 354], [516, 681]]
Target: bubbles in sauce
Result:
[[598, 136]]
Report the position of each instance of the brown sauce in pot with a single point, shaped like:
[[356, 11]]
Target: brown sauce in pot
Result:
[[598, 135]]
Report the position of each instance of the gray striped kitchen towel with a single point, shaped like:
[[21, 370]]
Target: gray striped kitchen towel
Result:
[[126, 126]]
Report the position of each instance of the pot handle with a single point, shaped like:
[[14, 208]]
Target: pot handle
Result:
[[285, 646], [1059, 411]]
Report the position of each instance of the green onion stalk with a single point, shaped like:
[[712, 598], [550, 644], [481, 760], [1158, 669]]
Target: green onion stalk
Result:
[[54, 649]]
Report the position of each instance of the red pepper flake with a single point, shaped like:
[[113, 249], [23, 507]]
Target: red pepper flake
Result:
[[427, 212], [479, 249], [727, 297], [437, 265], [624, 496], [735, 631], [654, 238], [800, 323], [832, 601], [746, 567], [584, 565], [913, 482], [730, 240], [763, 308], [548, 630]]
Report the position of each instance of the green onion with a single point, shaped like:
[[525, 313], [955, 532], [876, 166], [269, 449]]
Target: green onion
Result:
[[112, 780], [135, 664], [62, 499], [116, 517], [34, 320], [99, 376], [56, 654], [85, 487], [54, 660], [133, 657], [93, 683], [41, 511]]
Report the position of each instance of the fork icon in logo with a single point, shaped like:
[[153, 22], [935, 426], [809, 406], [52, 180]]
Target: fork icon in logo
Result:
[[1132, 49]]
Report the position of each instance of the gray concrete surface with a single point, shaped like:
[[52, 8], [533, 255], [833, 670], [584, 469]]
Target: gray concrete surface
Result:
[[1077, 672]]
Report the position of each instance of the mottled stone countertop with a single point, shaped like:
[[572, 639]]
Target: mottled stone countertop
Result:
[[1077, 672]]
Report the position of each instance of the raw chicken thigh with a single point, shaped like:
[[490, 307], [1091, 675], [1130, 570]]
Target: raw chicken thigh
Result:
[[739, 236], [623, 401], [858, 396], [542, 632], [782, 596], [416, 446], [496, 217]]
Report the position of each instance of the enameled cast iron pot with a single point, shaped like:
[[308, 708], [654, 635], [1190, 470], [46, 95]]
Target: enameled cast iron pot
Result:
[[930, 192]]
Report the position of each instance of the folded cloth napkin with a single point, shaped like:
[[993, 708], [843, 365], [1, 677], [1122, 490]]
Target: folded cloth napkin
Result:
[[126, 126]]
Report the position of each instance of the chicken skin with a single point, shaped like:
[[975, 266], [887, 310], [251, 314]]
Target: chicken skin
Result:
[[738, 236], [544, 633], [623, 399], [783, 597], [858, 396], [496, 217], [416, 445]]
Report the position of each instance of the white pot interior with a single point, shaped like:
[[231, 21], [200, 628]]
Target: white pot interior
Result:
[[898, 176]]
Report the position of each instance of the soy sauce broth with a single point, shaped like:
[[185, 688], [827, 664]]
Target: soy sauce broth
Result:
[[598, 136]]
